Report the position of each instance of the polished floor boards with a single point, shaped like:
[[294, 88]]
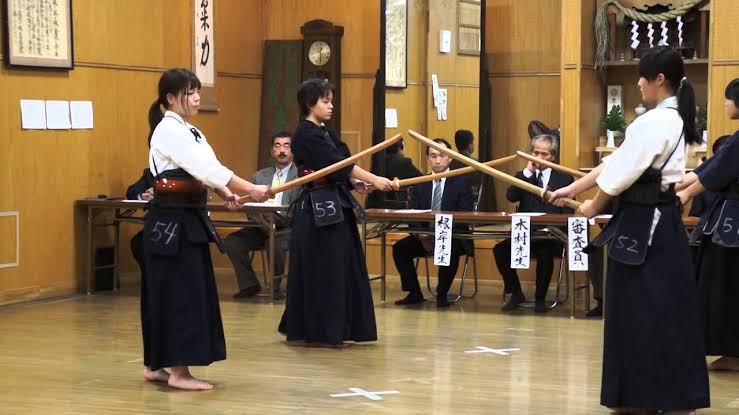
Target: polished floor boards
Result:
[[83, 356]]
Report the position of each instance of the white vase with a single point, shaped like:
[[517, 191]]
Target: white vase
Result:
[[639, 110], [611, 141]]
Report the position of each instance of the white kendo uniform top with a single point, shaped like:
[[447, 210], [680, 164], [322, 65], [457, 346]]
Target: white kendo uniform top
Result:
[[649, 141], [174, 145]]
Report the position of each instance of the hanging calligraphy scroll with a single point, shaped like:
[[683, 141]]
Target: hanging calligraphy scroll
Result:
[[520, 241], [443, 239], [39, 33], [577, 238], [203, 53], [396, 44]]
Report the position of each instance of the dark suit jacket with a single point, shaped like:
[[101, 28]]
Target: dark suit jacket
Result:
[[528, 202], [475, 177], [395, 166], [457, 197], [400, 167], [265, 176], [145, 181]]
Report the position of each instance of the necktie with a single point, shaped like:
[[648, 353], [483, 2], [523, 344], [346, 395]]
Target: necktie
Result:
[[539, 179], [436, 196], [276, 181]]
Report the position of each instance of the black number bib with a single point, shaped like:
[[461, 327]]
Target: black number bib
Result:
[[727, 226], [326, 207], [162, 235]]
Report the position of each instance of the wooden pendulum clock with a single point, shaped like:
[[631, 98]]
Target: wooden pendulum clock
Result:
[[321, 58]]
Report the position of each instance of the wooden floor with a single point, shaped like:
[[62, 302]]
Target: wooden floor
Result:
[[83, 356]]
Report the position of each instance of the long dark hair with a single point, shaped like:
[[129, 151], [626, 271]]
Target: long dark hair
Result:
[[665, 60], [173, 81]]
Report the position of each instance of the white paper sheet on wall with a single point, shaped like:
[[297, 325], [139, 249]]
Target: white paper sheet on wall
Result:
[[81, 114], [33, 114], [57, 115], [391, 118]]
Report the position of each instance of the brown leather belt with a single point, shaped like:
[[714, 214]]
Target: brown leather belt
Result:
[[318, 182], [179, 191]]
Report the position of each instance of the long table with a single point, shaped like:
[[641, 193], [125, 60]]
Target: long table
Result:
[[131, 211], [391, 220]]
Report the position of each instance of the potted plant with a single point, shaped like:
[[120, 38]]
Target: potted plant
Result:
[[613, 123]]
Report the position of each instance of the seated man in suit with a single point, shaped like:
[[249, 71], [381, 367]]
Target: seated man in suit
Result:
[[143, 189], [239, 244], [545, 147], [397, 165], [449, 195]]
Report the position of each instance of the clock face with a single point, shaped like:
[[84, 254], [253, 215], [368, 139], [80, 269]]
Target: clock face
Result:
[[319, 53]]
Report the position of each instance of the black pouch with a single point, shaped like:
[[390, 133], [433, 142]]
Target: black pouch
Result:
[[629, 239], [326, 207], [726, 231], [162, 234]]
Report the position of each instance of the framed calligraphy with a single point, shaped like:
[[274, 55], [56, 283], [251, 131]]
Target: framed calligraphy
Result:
[[469, 25], [396, 44], [38, 33], [203, 52]]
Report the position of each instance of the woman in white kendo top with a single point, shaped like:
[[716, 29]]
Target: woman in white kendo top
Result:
[[181, 320], [653, 357]]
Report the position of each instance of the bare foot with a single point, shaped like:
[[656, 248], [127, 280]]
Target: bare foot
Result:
[[160, 375], [188, 382], [725, 363]]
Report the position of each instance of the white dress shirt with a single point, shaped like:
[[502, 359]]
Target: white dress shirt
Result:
[[173, 145], [649, 141], [545, 175]]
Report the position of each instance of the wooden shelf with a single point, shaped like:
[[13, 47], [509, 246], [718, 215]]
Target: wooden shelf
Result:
[[635, 62]]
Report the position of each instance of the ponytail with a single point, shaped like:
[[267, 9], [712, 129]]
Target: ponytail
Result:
[[155, 116], [686, 109]]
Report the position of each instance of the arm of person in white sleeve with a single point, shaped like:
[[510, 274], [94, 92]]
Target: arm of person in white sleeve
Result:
[[628, 162]]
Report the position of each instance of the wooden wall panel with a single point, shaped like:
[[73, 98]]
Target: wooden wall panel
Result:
[[410, 104], [523, 35], [360, 53], [570, 117], [240, 37], [724, 65], [725, 32], [592, 96], [516, 101], [524, 54], [133, 33], [718, 122], [120, 50], [8, 239]]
